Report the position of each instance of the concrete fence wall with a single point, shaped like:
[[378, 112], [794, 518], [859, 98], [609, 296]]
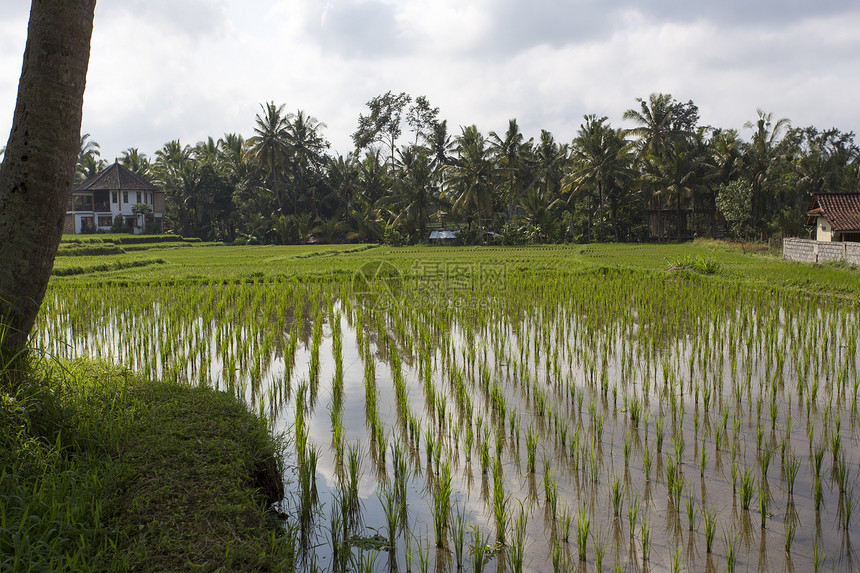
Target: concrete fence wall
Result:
[[852, 253], [808, 251]]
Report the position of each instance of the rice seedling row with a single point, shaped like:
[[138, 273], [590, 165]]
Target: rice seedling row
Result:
[[618, 418]]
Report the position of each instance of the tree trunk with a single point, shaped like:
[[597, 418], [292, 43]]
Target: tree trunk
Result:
[[613, 211], [600, 213], [590, 216], [39, 164]]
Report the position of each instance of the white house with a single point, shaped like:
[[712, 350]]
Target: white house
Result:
[[95, 203]]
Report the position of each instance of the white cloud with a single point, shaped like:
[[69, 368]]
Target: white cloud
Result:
[[445, 27], [163, 69]]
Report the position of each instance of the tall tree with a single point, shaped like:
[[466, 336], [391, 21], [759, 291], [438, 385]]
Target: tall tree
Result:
[[414, 195], [540, 215], [39, 163], [307, 155], [439, 144], [601, 169], [374, 180], [763, 161], [343, 174], [656, 125], [550, 164], [421, 118], [271, 148], [509, 157], [678, 177], [383, 124], [89, 159], [133, 160], [89, 162], [471, 181]]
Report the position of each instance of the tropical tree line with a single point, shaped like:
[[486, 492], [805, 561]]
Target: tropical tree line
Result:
[[667, 177]]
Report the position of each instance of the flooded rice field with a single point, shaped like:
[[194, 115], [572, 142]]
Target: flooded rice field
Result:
[[498, 420]]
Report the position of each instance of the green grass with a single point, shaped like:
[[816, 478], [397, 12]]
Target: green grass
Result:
[[213, 262], [100, 470], [122, 239]]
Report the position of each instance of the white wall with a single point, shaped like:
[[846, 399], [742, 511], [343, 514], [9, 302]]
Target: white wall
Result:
[[123, 206], [823, 231]]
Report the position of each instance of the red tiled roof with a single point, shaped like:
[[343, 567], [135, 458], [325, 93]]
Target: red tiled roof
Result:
[[116, 178], [842, 210]]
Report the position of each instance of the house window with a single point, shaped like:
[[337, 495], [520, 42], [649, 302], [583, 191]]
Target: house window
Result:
[[105, 221], [113, 196], [125, 196], [87, 225], [82, 202], [137, 197]]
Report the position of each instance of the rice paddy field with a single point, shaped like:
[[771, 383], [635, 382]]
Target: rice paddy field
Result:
[[514, 409]]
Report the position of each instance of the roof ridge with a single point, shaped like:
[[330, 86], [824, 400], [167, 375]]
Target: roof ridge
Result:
[[117, 172], [841, 209]]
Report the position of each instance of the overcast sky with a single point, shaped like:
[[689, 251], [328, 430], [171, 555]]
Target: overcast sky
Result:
[[188, 69]]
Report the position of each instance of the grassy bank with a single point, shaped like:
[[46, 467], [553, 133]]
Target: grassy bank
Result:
[[103, 471]]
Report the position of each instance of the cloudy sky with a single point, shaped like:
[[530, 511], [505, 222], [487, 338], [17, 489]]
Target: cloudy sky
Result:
[[188, 69]]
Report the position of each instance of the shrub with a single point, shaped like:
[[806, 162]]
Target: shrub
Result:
[[703, 264]]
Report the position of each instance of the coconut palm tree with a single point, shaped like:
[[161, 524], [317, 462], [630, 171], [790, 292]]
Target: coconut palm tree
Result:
[[207, 150], [89, 160], [271, 148], [439, 144], [88, 147], [508, 152], [331, 230], [678, 176], [39, 162], [374, 180], [539, 214], [601, 168], [471, 180], [307, 154], [235, 157], [171, 157], [762, 160], [88, 166], [343, 177], [415, 193], [133, 160], [365, 223], [655, 127], [550, 164]]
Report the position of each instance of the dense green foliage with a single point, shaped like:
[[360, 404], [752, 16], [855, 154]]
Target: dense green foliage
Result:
[[660, 179]]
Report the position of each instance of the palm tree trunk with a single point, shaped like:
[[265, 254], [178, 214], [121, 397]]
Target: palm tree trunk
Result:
[[590, 216], [600, 211], [39, 164], [613, 210]]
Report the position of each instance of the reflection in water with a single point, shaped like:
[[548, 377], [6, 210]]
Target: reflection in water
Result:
[[662, 391]]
